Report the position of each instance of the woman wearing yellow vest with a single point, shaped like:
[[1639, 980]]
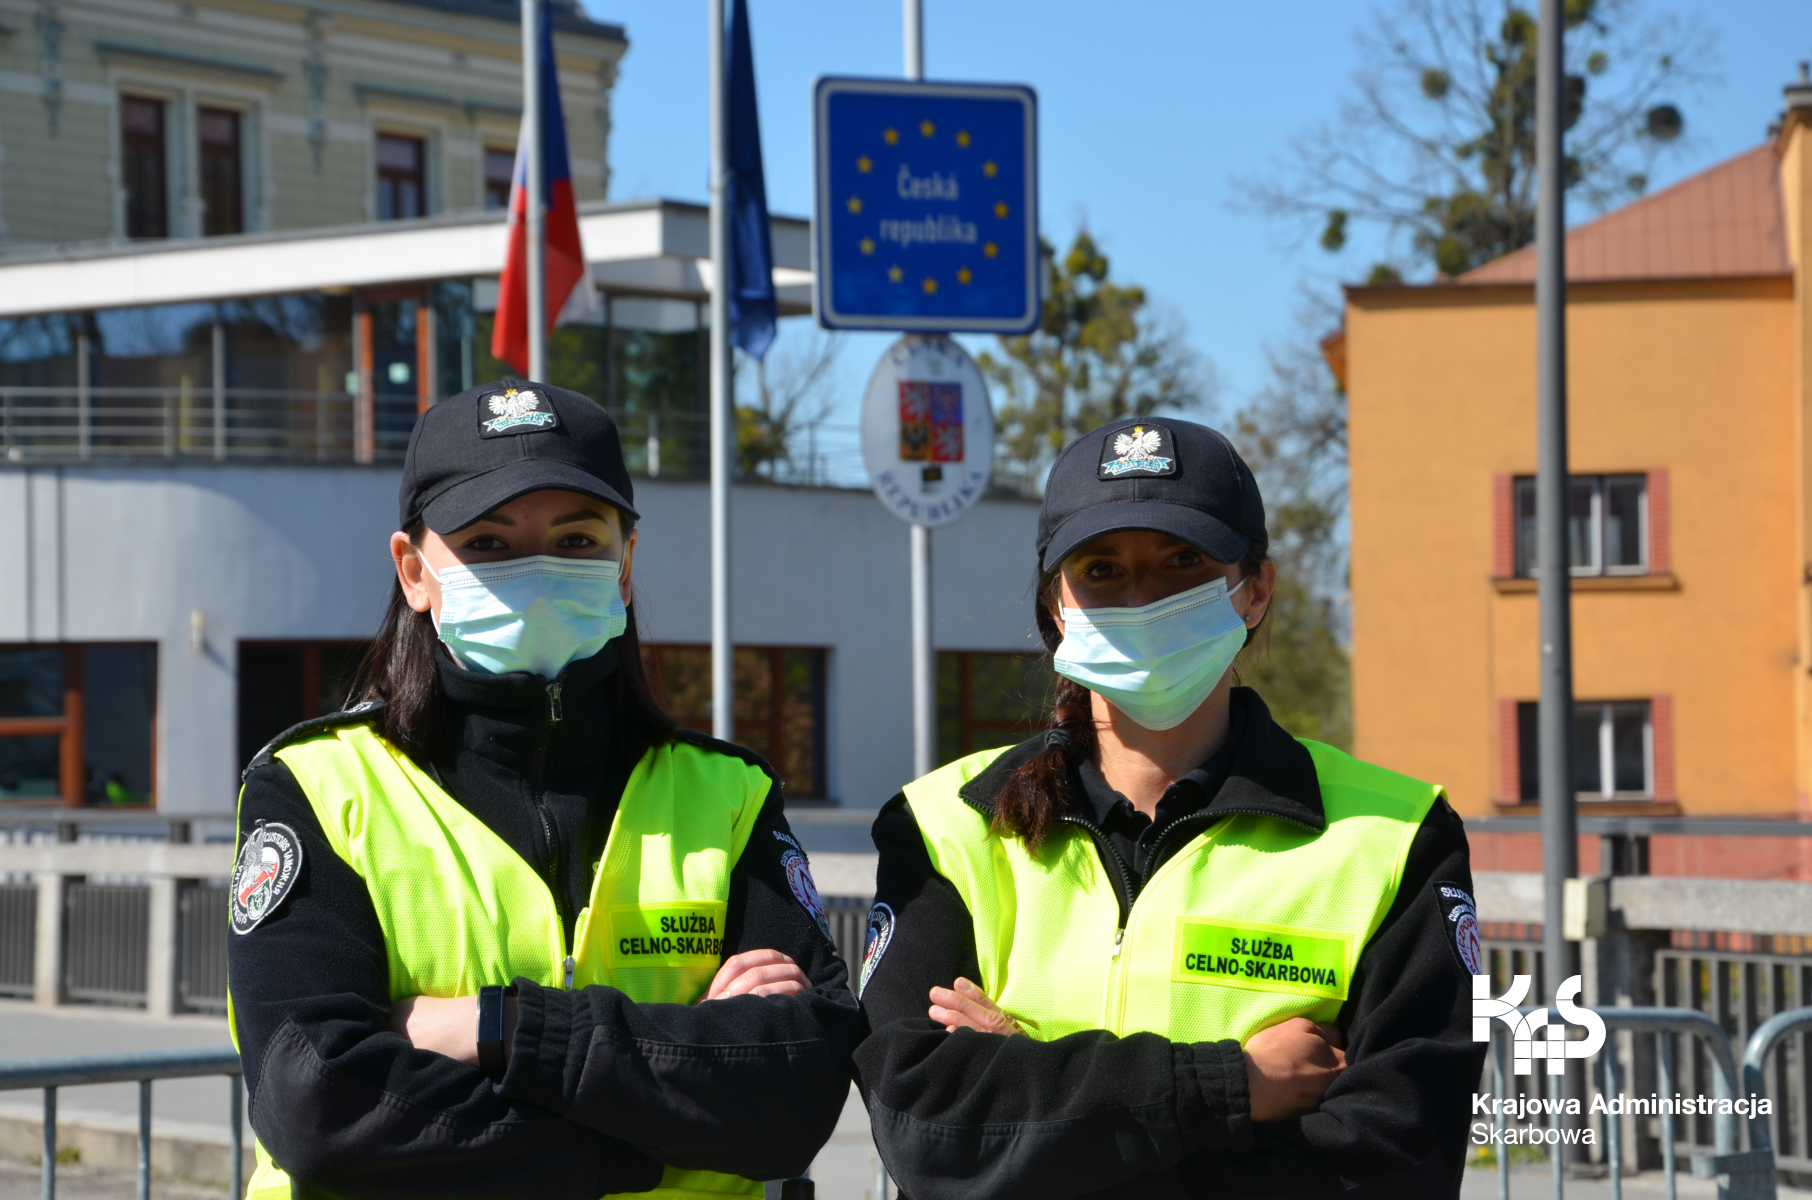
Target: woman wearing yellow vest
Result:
[[1164, 948], [500, 929]]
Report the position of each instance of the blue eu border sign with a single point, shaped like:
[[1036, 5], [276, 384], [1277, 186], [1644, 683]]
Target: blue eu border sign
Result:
[[926, 206]]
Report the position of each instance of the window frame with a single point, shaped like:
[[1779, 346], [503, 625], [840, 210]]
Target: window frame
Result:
[[310, 694], [69, 728], [1605, 751], [1525, 549], [129, 146], [241, 122], [484, 176], [380, 172], [773, 722], [969, 726]]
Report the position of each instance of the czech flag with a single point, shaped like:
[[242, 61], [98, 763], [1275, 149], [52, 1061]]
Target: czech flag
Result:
[[565, 258]]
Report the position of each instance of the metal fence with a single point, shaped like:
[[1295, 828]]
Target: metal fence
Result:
[[1741, 992], [849, 927], [201, 961], [185, 422], [18, 938], [107, 931], [199, 422], [50, 1074]]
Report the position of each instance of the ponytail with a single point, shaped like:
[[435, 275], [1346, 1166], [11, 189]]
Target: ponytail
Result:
[[1034, 793]]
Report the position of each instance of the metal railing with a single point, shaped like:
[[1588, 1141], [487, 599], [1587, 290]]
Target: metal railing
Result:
[[18, 938], [201, 959], [107, 935], [50, 1074], [1740, 1174], [201, 422], [197, 422]]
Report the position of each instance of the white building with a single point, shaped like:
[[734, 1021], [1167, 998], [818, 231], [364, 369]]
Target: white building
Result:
[[199, 449]]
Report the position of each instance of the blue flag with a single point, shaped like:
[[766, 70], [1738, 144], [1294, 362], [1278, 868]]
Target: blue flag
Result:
[[753, 310]]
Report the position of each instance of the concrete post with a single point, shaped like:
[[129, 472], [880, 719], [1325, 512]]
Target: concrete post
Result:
[[47, 969], [161, 972]]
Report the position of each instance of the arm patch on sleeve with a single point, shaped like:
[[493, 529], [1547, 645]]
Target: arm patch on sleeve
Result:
[[1462, 926], [799, 881]]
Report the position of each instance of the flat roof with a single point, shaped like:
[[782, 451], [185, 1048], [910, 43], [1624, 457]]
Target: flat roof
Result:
[[648, 247]]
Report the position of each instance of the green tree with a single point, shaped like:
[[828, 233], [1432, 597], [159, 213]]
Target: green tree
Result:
[[1099, 353], [787, 397], [1435, 143], [1293, 435]]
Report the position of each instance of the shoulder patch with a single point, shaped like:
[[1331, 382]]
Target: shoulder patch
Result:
[[264, 875], [786, 839], [799, 882], [359, 714], [515, 410], [874, 944], [1462, 919]]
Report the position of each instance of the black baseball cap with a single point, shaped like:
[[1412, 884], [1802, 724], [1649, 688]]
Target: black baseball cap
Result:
[[495, 442], [1172, 476]]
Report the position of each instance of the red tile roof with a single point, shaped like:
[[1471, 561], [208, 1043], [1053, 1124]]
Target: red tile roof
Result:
[[1724, 222]]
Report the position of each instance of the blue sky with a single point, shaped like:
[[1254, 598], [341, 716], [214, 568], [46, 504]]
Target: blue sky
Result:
[[1147, 111]]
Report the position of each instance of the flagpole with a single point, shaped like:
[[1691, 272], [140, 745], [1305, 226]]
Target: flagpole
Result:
[[924, 654], [535, 220], [722, 419]]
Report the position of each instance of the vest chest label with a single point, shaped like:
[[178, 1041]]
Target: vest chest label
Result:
[[677, 934], [1264, 958]]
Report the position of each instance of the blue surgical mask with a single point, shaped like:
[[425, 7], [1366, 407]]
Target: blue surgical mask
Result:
[[529, 614], [1157, 662]]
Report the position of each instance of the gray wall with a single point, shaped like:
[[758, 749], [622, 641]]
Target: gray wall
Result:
[[128, 553]]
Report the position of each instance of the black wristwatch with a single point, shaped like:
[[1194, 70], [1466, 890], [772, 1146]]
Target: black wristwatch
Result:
[[490, 1029]]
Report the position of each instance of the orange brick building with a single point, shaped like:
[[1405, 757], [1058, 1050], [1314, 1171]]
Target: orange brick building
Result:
[[1690, 519]]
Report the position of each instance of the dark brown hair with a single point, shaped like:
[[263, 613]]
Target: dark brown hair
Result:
[[399, 670], [1034, 792]]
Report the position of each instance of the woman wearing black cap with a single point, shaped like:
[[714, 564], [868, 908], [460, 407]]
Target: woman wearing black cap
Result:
[[1164, 948], [501, 929]]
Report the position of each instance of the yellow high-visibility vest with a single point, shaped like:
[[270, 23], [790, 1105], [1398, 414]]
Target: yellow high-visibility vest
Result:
[[1254, 921], [461, 910]]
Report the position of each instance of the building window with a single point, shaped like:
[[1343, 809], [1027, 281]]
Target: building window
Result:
[[222, 178], [987, 700], [285, 683], [145, 167], [402, 174], [1613, 750], [779, 709], [499, 170], [76, 724], [1607, 525]]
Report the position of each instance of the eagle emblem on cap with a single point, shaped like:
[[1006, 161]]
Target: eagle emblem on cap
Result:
[[1140, 443], [517, 407], [1139, 450]]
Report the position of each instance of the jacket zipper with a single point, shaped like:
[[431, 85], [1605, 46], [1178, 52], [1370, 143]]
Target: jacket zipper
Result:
[[552, 873]]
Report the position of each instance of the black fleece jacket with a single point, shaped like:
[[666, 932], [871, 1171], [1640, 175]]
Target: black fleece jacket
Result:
[[975, 1115], [600, 1091]]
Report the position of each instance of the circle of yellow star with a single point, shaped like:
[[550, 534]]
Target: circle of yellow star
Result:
[[855, 205], [991, 250], [894, 274], [964, 275], [926, 129], [930, 286], [1000, 208], [868, 245], [892, 136], [865, 164], [962, 138], [989, 169]]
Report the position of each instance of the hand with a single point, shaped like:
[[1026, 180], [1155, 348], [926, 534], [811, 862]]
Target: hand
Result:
[[757, 973], [1289, 1067], [968, 1007], [448, 1026]]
